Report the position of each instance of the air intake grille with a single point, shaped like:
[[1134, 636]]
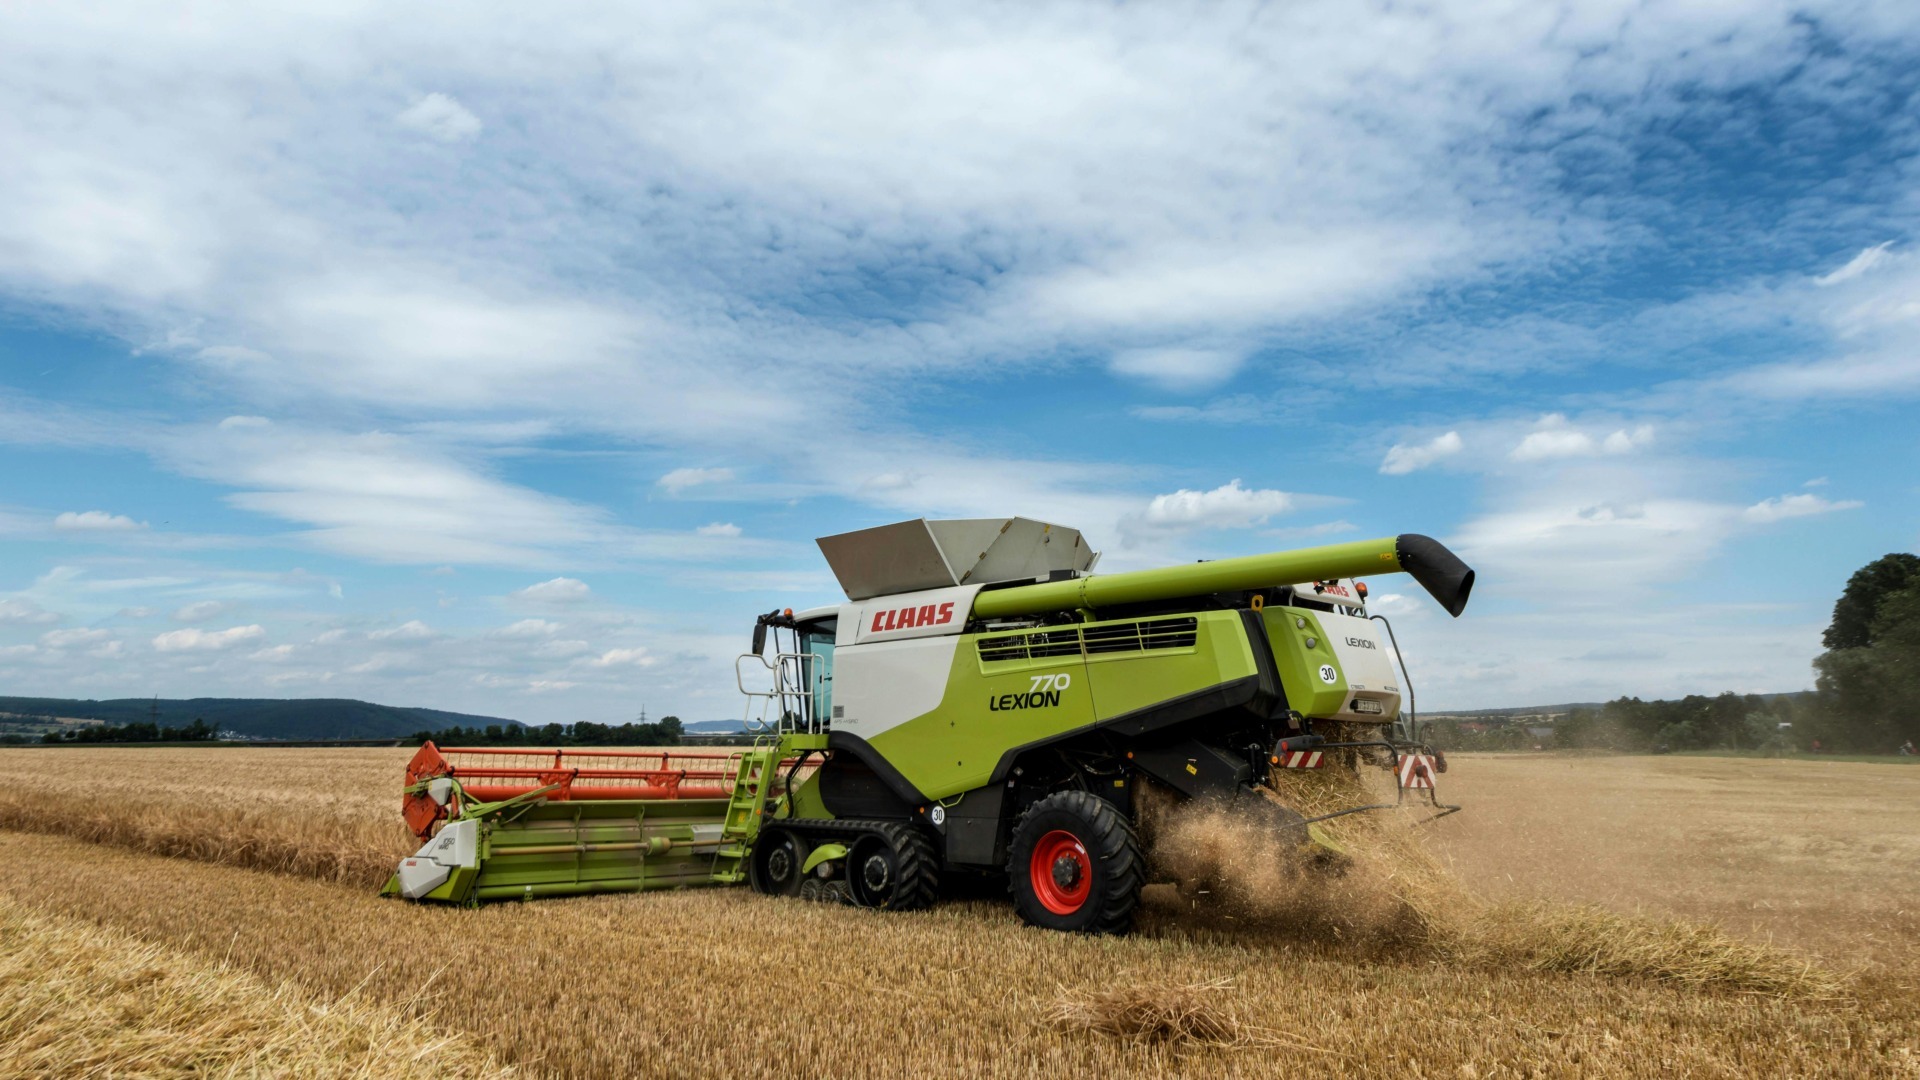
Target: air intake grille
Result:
[[1146, 634], [1034, 646], [1179, 633]]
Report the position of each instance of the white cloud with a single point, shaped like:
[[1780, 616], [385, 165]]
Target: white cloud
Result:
[[63, 639], [96, 521], [233, 422], [136, 612], [412, 630], [561, 650], [25, 612], [440, 117], [526, 630], [1228, 506], [1402, 459], [1178, 369], [272, 654], [8, 652], [112, 650], [560, 590], [680, 480], [1859, 264], [1555, 438], [1793, 506], [636, 657], [1625, 442], [719, 529], [199, 612], [207, 640]]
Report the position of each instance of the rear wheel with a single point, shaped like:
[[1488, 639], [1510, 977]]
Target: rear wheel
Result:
[[775, 868], [1075, 865], [895, 868]]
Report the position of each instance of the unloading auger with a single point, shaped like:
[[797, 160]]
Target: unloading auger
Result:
[[982, 702]]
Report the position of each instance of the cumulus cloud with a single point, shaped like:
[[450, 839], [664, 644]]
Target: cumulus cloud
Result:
[[96, 521], [1229, 506], [719, 529], [1555, 438], [440, 117], [193, 640], [412, 630], [63, 639], [560, 590], [526, 630], [1177, 369], [680, 480], [25, 612], [272, 654], [1782, 507], [1402, 459], [635, 657], [199, 612]]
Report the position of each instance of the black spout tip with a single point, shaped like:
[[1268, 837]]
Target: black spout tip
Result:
[[1438, 570]]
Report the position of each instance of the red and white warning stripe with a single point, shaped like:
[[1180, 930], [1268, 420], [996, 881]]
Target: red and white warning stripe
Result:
[[1416, 771], [1299, 759]]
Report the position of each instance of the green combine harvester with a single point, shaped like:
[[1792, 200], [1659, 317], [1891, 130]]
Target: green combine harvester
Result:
[[983, 702]]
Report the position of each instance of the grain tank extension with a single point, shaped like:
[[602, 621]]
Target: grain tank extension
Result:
[[982, 702]]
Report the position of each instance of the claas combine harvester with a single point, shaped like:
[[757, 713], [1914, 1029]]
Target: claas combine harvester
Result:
[[982, 702]]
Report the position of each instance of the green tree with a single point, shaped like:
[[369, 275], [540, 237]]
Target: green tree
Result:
[[1868, 690], [1858, 609]]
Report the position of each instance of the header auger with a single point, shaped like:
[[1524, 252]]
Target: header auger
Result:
[[983, 702]]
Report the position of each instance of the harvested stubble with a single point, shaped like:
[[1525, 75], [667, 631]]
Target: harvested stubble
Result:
[[653, 984], [77, 999], [1386, 892]]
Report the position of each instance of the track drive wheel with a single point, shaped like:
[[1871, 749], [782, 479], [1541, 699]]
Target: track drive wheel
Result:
[[1076, 865], [778, 855], [893, 867]]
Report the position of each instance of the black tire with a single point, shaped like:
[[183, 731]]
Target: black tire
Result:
[[893, 868], [1091, 883], [774, 868]]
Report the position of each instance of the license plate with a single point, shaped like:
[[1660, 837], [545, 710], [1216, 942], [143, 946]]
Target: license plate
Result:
[[1367, 705]]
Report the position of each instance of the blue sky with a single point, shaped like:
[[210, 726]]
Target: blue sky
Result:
[[508, 359]]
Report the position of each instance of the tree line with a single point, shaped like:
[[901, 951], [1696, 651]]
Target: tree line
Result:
[[140, 731], [1866, 698], [666, 731]]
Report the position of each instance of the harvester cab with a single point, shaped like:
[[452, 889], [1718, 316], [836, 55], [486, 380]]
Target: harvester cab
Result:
[[981, 702]]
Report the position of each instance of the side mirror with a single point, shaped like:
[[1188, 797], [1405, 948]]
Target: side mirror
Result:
[[759, 636]]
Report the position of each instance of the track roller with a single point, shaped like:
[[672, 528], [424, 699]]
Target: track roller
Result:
[[777, 858], [893, 867]]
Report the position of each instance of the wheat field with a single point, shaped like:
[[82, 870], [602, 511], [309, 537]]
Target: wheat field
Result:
[[1561, 929]]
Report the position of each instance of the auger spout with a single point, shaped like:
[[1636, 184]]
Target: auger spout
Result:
[[1438, 570]]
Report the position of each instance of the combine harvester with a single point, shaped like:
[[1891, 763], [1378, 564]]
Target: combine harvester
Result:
[[982, 702]]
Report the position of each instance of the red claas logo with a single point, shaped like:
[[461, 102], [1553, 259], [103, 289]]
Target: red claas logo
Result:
[[903, 618]]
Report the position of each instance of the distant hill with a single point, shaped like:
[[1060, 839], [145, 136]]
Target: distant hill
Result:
[[261, 718]]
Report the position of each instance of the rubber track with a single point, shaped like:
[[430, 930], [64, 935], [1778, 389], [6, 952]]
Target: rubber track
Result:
[[1117, 846], [919, 884]]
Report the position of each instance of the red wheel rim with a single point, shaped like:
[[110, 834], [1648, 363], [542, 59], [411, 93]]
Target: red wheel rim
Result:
[[1062, 872]]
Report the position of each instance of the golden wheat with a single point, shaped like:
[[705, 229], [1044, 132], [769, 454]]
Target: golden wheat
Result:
[[722, 981], [76, 999]]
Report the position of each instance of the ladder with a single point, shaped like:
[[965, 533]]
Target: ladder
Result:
[[745, 807]]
